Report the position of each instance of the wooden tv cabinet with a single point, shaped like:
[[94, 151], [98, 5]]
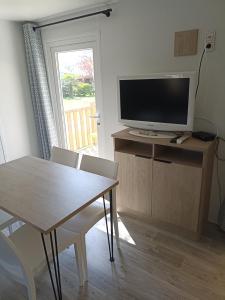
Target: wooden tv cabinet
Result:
[[165, 183]]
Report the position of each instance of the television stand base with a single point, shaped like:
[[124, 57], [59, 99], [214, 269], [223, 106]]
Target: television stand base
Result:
[[152, 134]]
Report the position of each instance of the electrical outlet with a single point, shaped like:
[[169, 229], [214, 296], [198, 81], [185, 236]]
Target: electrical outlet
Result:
[[210, 41]]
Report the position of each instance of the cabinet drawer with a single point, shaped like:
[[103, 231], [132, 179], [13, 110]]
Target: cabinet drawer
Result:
[[135, 183], [176, 194]]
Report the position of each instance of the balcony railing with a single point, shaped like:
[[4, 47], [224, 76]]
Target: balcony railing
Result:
[[81, 129]]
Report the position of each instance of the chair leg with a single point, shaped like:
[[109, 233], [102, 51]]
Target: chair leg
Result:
[[84, 253], [116, 228], [31, 289], [79, 260], [115, 219]]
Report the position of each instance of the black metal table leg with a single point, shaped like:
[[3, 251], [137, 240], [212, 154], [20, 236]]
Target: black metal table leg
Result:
[[111, 256], [107, 227], [111, 223], [56, 281]]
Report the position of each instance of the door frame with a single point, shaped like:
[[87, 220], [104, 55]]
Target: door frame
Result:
[[77, 42]]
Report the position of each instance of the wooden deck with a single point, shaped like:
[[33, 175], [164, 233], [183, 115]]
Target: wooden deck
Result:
[[151, 265], [81, 130]]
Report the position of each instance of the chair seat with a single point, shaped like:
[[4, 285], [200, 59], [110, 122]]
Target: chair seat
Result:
[[84, 220], [29, 243], [6, 220]]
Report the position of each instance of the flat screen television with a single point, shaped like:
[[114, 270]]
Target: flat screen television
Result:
[[163, 102]]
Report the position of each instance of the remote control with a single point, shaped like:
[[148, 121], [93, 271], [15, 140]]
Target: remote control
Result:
[[183, 138], [174, 140]]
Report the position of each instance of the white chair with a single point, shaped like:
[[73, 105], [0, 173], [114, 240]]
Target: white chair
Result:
[[6, 220], [106, 168], [64, 157], [87, 218], [22, 255]]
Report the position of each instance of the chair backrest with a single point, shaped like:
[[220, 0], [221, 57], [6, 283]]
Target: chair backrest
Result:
[[99, 166], [12, 261], [64, 157]]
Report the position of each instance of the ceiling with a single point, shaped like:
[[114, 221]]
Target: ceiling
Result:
[[30, 10]]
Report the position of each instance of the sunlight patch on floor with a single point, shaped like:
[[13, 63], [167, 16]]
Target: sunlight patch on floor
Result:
[[123, 232]]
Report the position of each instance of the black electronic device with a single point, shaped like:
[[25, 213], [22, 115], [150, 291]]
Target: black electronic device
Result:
[[204, 136]]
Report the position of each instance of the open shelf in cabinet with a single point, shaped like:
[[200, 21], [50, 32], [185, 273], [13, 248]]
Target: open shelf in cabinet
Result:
[[177, 155], [132, 147]]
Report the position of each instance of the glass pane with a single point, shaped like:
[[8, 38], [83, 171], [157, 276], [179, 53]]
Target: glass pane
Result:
[[76, 71]]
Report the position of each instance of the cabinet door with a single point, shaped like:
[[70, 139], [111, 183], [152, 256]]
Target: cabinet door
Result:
[[135, 183], [176, 194]]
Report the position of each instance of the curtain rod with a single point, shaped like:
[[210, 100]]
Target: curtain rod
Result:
[[106, 12]]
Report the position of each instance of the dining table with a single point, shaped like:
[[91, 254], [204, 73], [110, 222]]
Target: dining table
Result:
[[45, 195]]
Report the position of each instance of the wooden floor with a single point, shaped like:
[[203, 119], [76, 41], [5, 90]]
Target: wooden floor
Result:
[[151, 265]]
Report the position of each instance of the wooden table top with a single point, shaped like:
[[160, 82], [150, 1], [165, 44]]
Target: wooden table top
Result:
[[46, 194]]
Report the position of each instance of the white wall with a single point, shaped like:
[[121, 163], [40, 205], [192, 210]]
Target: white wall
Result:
[[16, 114], [139, 38]]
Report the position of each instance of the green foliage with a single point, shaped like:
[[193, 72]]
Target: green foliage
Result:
[[72, 87], [68, 81]]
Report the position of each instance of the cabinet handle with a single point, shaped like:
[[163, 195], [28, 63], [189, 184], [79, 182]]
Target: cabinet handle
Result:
[[142, 156], [163, 161]]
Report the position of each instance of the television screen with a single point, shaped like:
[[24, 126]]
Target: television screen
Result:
[[163, 100]]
